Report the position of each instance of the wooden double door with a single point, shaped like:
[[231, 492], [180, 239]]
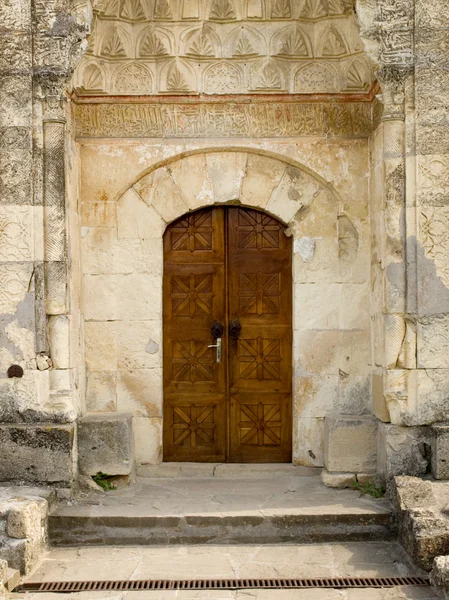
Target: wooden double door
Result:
[[228, 276]]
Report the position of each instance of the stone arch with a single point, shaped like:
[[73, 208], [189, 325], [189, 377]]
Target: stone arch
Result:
[[193, 173]]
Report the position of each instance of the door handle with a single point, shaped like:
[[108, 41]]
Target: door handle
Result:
[[218, 347], [234, 329]]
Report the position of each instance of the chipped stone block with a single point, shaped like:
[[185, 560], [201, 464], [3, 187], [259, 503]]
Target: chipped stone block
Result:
[[402, 450], [408, 492], [344, 480], [424, 535], [440, 450], [21, 554], [105, 444], [439, 576], [12, 579], [37, 453], [379, 405], [350, 444], [25, 519]]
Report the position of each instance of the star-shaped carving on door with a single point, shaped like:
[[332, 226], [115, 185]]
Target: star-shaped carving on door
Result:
[[257, 230], [192, 295], [193, 425], [259, 293], [193, 233], [259, 359], [260, 424], [192, 361]]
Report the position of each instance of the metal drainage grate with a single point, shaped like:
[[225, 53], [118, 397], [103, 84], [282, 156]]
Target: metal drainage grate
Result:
[[221, 584]]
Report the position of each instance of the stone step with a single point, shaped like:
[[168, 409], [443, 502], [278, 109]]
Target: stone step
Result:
[[217, 509], [224, 470]]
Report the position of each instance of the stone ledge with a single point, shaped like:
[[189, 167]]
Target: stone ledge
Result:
[[37, 453]]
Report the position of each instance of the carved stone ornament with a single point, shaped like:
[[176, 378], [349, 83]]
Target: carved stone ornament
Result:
[[263, 43], [224, 120]]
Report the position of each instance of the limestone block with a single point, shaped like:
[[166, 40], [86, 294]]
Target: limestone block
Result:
[[107, 170], [105, 254], [354, 310], [354, 394], [37, 454], [320, 305], [166, 196], [295, 191], [25, 519], [440, 450], [433, 395], [101, 392], [105, 444], [316, 258], [308, 442], [226, 171], [22, 554], [402, 450], [344, 480], [439, 575], [350, 444], [99, 214], [263, 175], [433, 342], [100, 346], [411, 492], [190, 174], [136, 219], [380, 409], [140, 391], [139, 344], [314, 396], [122, 297], [148, 440]]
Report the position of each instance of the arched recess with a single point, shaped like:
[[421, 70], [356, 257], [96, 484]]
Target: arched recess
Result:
[[326, 244]]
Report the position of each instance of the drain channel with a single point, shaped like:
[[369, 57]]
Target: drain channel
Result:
[[221, 584]]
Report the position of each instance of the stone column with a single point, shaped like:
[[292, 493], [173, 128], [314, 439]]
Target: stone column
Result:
[[39, 408], [412, 56]]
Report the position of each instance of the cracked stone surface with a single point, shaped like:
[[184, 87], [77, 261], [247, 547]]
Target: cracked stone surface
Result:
[[358, 559]]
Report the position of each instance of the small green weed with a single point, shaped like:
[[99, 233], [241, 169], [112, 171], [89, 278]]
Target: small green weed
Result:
[[372, 489], [104, 481]]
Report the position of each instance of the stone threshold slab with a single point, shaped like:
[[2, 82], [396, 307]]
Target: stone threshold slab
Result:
[[231, 470]]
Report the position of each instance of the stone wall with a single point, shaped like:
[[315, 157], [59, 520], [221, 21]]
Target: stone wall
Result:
[[40, 44]]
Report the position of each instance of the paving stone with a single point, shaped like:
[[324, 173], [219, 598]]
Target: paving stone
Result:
[[357, 559]]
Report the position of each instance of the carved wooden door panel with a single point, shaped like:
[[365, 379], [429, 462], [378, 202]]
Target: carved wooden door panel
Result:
[[229, 265], [260, 300], [194, 426]]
